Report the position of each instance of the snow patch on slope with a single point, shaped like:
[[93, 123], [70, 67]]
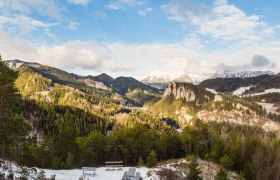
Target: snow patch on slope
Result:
[[240, 91], [211, 90], [269, 107], [14, 65]]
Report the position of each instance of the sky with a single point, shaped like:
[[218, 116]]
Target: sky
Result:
[[142, 37]]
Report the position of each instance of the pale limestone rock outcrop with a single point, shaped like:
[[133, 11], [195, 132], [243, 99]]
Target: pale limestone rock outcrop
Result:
[[180, 91]]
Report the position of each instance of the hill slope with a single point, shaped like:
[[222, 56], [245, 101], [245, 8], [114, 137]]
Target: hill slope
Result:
[[102, 83], [184, 102], [256, 84]]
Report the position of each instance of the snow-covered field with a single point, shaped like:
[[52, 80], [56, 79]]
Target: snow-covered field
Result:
[[179, 166], [101, 174], [74, 174]]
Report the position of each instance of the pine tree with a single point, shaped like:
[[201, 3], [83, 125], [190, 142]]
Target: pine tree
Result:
[[152, 159], [222, 175], [9, 102], [226, 162], [194, 171], [69, 161], [140, 162]]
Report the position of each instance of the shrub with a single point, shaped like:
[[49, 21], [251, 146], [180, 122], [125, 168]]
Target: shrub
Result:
[[152, 159]]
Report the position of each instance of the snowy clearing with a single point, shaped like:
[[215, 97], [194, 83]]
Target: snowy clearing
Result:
[[179, 166], [74, 174], [240, 91], [101, 174]]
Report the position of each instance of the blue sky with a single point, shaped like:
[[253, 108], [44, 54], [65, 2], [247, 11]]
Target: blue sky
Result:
[[142, 37]]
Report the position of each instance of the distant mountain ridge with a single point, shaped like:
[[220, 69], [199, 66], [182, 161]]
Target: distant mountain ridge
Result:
[[182, 102], [104, 78], [14, 64], [121, 85], [161, 80], [256, 84], [240, 74], [138, 93]]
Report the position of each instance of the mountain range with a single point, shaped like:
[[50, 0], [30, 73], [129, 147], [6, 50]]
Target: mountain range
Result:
[[160, 80], [131, 90], [70, 115], [251, 85], [185, 97], [138, 93]]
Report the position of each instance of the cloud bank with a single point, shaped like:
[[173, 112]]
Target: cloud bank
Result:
[[238, 39], [88, 57], [220, 21]]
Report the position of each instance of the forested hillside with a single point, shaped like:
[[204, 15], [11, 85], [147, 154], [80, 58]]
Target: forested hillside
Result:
[[127, 89], [258, 84], [49, 123]]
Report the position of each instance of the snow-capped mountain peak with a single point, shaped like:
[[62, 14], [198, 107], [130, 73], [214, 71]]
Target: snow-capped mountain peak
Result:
[[179, 76], [15, 64], [240, 74], [161, 79]]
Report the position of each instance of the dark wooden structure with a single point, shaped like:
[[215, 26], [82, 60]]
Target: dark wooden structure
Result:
[[113, 165]]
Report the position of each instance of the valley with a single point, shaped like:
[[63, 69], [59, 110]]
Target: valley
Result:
[[139, 90], [69, 121]]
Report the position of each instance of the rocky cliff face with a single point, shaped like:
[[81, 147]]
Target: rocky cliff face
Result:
[[188, 92], [180, 91]]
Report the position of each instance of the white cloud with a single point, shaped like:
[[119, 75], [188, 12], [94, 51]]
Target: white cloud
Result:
[[79, 54], [12, 47], [48, 32], [122, 4], [80, 2], [48, 8], [137, 60], [72, 55], [193, 42], [16, 17], [22, 24], [186, 11], [73, 25], [220, 21], [144, 12]]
